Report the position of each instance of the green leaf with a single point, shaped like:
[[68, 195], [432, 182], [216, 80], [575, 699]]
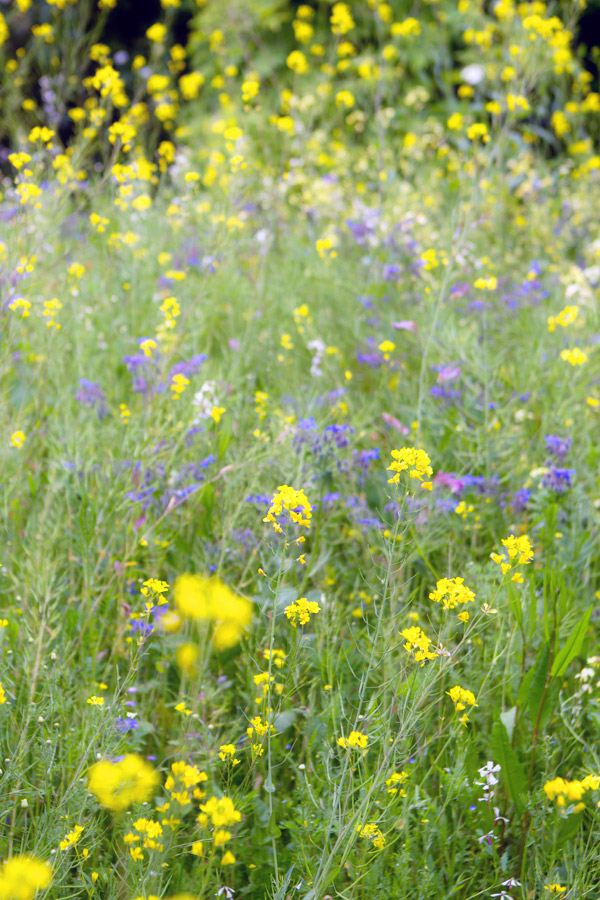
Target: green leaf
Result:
[[538, 683], [512, 771], [508, 720], [567, 828], [514, 603], [525, 687], [572, 646], [283, 887], [275, 829], [312, 894]]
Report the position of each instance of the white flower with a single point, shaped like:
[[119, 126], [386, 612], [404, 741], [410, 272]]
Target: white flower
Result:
[[585, 674], [487, 772], [205, 400]]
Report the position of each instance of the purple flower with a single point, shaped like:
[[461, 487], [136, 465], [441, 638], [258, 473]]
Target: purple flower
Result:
[[558, 447], [366, 302], [391, 272], [446, 373], [520, 500], [373, 360], [141, 627], [460, 289], [188, 367], [558, 480], [123, 725], [450, 481], [91, 394]]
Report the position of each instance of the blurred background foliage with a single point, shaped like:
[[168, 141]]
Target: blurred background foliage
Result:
[[256, 36]]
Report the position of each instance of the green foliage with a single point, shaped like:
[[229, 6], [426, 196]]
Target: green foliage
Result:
[[243, 647]]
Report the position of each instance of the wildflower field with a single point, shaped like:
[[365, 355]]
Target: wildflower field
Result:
[[300, 405]]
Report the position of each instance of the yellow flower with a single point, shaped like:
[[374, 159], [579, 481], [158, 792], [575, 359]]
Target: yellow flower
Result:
[[450, 592], [156, 32], [355, 741], [227, 754], [341, 19], [486, 284], [295, 503], [478, 131], [18, 438], [186, 656], [564, 318], [22, 876], [297, 62], [344, 98], [520, 547], [301, 611], [217, 413], [211, 599], [409, 459], [386, 348], [72, 838], [118, 785], [575, 356], [396, 778], [564, 791], [406, 28], [418, 644], [221, 811], [455, 122], [179, 384], [372, 833], [461, 698]]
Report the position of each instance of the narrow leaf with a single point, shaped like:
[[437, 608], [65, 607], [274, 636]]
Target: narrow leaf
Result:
[[512, 771], [572, 646], [538, 682]]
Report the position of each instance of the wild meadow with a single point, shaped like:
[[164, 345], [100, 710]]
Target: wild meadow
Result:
[[300, 405]]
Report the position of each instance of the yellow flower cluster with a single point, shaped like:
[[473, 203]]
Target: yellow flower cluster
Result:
[[71, 838], [450, 592], [183, 778], [295, 503], [227, 754], [118, 785], [372, 833], [418, 644], [520, 553], [22, 876], [571, 791], [221, 813], [564, 318], [415, 462], [393, 782], [211, 599], [149, 833], [301, 611], [576, 356], [461, 697], [258, 729], [356, 740]]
